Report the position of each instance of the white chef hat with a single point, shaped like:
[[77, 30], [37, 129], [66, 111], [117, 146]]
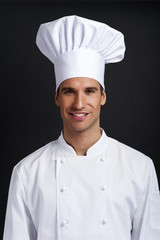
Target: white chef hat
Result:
[[80, 47]]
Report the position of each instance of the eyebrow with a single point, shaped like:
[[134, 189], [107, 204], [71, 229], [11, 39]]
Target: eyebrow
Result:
[[67, 88], [70, 88], [92, 88]]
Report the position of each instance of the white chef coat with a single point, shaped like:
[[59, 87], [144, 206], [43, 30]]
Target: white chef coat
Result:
[[109, 194]]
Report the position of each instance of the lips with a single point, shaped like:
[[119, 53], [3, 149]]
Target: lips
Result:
[[79, 116]]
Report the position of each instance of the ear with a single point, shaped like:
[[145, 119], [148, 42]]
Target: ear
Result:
[[103, 98], [57, 99]]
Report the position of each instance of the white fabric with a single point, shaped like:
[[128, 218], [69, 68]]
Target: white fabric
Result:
[[110, 194], [80, 47]]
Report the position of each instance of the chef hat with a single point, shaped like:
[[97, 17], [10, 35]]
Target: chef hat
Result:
[[80, 47]]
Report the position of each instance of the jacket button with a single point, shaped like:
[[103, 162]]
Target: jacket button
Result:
[[64, 223], [63, 161], [104, 222], [101, 159], [103, 188], [63, 189]]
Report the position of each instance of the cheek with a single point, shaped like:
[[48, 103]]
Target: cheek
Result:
[[64, 104], [62, 108], [96, 104]]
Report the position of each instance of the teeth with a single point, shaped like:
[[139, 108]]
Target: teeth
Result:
[[79, 114]]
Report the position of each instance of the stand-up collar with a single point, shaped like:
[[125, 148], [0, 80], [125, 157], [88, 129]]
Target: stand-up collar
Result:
[[64, 149]]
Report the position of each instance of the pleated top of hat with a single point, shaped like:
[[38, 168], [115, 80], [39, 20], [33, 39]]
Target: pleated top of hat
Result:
[[80, 47]]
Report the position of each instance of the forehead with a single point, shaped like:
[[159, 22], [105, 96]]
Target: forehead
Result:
[[80, 82]]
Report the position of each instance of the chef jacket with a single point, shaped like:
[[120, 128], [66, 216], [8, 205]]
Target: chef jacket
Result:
[[109, 194]]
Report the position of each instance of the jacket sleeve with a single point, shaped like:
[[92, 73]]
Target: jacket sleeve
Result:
[[18, 222], [146, 222]]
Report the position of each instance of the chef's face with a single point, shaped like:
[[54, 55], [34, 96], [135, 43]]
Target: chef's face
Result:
[[80, 101]]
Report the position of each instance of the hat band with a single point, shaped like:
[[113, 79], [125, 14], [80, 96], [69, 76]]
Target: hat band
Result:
[[79, 63]]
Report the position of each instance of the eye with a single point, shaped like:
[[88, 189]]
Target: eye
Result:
[[88, 91], [69, 91]]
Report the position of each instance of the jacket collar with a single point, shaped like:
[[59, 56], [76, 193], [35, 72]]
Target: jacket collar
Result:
[[64, 149]]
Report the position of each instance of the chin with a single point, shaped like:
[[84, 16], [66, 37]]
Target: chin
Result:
[[80, 129]]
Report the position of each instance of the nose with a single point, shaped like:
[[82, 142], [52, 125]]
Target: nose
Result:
[[79, 101]]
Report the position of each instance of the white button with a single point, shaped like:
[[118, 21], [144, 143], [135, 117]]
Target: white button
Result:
[[63, 189], [63, 160], [103, 188], [64, 223], [104, 222], [101, 159]]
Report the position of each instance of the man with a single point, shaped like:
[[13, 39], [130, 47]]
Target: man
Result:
[[84, 185]]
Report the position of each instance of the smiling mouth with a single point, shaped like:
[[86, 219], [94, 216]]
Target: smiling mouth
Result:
[[79, 116]]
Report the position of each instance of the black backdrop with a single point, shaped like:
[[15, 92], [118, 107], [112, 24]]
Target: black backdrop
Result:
[[29, 117]]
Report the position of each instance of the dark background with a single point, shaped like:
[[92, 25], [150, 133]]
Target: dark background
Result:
[[29, 116]]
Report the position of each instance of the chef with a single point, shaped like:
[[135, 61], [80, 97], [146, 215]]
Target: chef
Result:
[[84, 185]]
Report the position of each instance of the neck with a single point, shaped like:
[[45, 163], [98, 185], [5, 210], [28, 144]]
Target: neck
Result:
[[82, 141]]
